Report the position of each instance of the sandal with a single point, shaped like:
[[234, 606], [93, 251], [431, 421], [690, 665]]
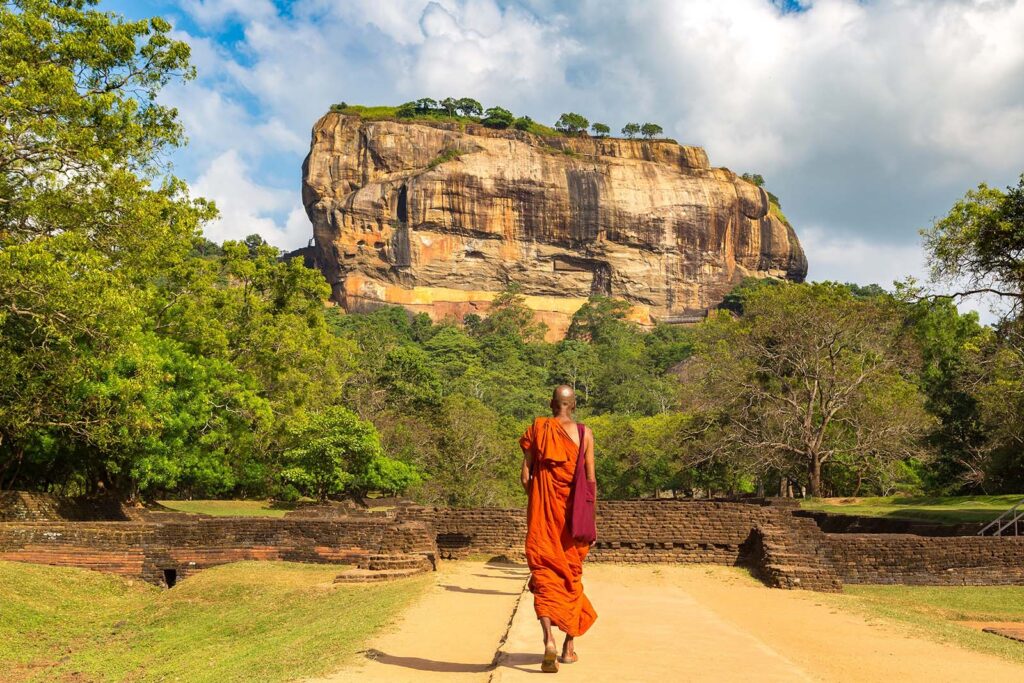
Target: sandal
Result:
[[550, 663]]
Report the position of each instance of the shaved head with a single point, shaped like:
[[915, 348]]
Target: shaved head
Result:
[[563, 399]]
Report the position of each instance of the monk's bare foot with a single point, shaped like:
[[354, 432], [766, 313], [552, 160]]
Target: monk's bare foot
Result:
[[568, 651], [550, 663]]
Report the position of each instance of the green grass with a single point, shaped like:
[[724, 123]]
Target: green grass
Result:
[[267, 621], [934, 611], [225, 508], [946, 509]]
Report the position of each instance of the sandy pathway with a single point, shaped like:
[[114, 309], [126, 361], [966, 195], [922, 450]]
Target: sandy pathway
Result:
[[450, 634], [666, 623]]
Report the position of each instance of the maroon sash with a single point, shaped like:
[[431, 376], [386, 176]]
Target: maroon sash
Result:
[[582, 500]]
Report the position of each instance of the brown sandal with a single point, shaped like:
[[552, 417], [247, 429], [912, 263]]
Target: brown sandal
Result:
[[550, 663]]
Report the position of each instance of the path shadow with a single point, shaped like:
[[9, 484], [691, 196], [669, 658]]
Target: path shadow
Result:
[[528, 662], [421, 664], [502, 562], [520, 577], [477, 591]]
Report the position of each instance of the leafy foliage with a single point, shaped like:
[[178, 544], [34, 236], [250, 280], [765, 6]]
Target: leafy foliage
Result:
[[651, 130], [572, 124]]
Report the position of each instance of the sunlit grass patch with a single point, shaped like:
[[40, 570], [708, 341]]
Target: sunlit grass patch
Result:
[[948, 509], [226, 508], [267, 621], [939, 612]]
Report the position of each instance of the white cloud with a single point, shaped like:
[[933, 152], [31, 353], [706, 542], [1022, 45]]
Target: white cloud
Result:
[[852, 259], [246, 207], [212, 12]]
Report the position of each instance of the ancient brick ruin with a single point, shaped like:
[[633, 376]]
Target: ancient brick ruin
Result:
[[785, 547]]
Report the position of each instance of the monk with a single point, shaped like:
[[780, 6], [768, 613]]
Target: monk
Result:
[[551, 449]]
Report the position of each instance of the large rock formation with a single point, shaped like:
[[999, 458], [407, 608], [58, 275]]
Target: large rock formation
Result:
[[440, 217]]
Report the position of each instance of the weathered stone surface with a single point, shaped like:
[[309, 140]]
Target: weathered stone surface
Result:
[[438, 218]]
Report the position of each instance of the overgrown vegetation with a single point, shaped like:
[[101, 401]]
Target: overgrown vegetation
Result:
[[61, 623], [140, 359]]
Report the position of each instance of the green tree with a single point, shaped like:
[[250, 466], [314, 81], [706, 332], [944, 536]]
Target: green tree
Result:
[[651, 130], [601, 130], [425, 105], [810, 373], [334, 452], [469, 107], [571, 123], [981, 243], [523, 123], [450, 106], [497, 117], [406, 110], [631, 130], [754, 179]]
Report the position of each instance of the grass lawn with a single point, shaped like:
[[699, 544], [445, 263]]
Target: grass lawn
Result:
[[225, 508], [936, 610], [948, 509], [266, 621]]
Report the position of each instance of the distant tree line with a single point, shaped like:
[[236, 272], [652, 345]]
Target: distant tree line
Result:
[[569, 123]]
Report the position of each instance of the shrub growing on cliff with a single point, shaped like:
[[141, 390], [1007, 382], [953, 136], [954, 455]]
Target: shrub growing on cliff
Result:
[[601, 130], [631, 130], [523, 123], [497, 117], [571, 123]]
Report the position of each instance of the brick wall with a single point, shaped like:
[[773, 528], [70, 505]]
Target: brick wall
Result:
[[29, 506], [146, 550], [923, 560], [787, 550], [628, 531]]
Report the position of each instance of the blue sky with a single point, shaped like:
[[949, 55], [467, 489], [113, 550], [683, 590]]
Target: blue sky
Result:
[[867, 118]]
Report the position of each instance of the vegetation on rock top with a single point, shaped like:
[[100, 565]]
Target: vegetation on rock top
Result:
[[466, 110]]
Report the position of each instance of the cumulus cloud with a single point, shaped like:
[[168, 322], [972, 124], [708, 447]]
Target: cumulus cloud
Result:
[[867, 119], [246, 207]]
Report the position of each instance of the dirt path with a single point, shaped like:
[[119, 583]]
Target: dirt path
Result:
[[698, 623], [657, 623], [450, 634]]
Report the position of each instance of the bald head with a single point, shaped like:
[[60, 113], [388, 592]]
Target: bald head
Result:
[[563, 400]]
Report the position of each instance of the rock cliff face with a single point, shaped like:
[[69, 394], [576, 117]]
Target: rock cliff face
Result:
[[439, 217]]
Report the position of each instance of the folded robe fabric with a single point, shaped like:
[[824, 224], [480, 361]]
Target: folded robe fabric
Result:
[[555, 559]]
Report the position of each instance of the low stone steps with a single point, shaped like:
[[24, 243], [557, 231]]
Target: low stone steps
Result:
[[385, 562], [370, 575], [385, 567]]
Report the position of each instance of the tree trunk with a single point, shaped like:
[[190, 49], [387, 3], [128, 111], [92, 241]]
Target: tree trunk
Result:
[[814, 475]]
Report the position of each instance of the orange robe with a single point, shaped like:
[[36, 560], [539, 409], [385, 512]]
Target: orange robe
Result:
[[555, 559]]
